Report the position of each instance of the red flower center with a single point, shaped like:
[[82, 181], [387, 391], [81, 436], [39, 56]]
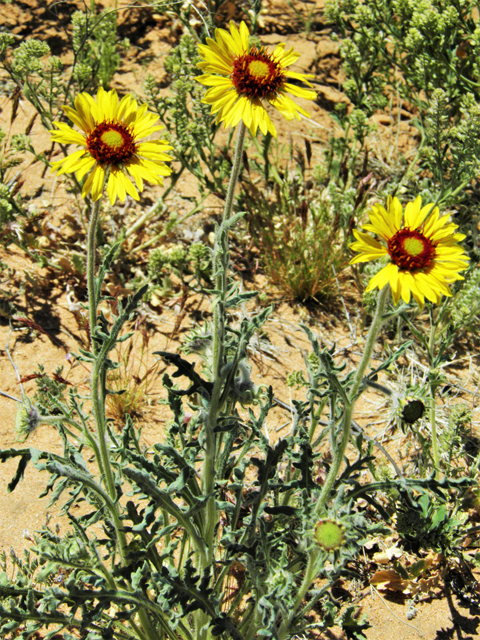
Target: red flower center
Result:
[[410, 250], [256, 74], [111, 143]]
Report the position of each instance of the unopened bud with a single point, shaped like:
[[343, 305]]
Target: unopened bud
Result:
[[330, 535]]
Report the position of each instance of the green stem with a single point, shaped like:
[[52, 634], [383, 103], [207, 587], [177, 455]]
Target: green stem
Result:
[[433, 389], [100, 423], [92, 298], [311, 570], [431, 340], [98, 409], [98, 372], [98, 404], [309, 577], [348, 411], [220, 261], [433, 424]]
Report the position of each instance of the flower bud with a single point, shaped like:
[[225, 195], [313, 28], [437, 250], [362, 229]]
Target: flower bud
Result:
[[330, 535], [412, 411]]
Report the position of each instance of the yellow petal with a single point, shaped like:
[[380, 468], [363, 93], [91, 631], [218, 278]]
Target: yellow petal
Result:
[[76, 118], [84, 166], [226, 41], [82, 106], [285, 103], [124, 106], [395, 209], [67, 135], [300, 92], [115, 188], [138, 173], [239, 41], [380, 279], [300, 76], [119, 185], [285, 58], [382, 222], [413, 214], [215, 81], [426, 286], [153, 151], [403, 286], [368, 240], [69, 164], [245, 36], [94, 183]]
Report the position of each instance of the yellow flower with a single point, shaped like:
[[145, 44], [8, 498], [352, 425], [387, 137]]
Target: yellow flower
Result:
[[422, 248], [112, 134], [243, 77]]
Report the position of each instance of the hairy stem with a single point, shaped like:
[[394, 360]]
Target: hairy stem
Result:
[[348, 411], [313, 554], [221, 262], [433, 389], [433, 424], [98, 407], [92, 298]]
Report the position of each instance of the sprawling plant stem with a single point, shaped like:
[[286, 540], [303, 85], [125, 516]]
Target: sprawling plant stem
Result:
[[338, 453], [92, 298], [221, 262], [98, 367], [433, 425], [348, 410], [433, 407], [98, 408]]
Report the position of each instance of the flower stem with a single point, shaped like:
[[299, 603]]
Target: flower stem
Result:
[[433, 389], [308, 578], [98, 370], [220, 263], [98, 406], [348, 411], [433, 425], [92, 294], [338, 453]]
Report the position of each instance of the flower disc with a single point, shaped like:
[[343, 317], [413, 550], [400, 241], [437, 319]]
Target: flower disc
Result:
[[256, 74], [111, 143], [410, 249]]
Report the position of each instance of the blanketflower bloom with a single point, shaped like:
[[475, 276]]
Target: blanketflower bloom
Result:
[[242, 78], [112, 134], [421, 247]]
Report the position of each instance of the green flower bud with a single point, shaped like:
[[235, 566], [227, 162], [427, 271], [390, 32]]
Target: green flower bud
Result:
[[330, 535], [27, 419]]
